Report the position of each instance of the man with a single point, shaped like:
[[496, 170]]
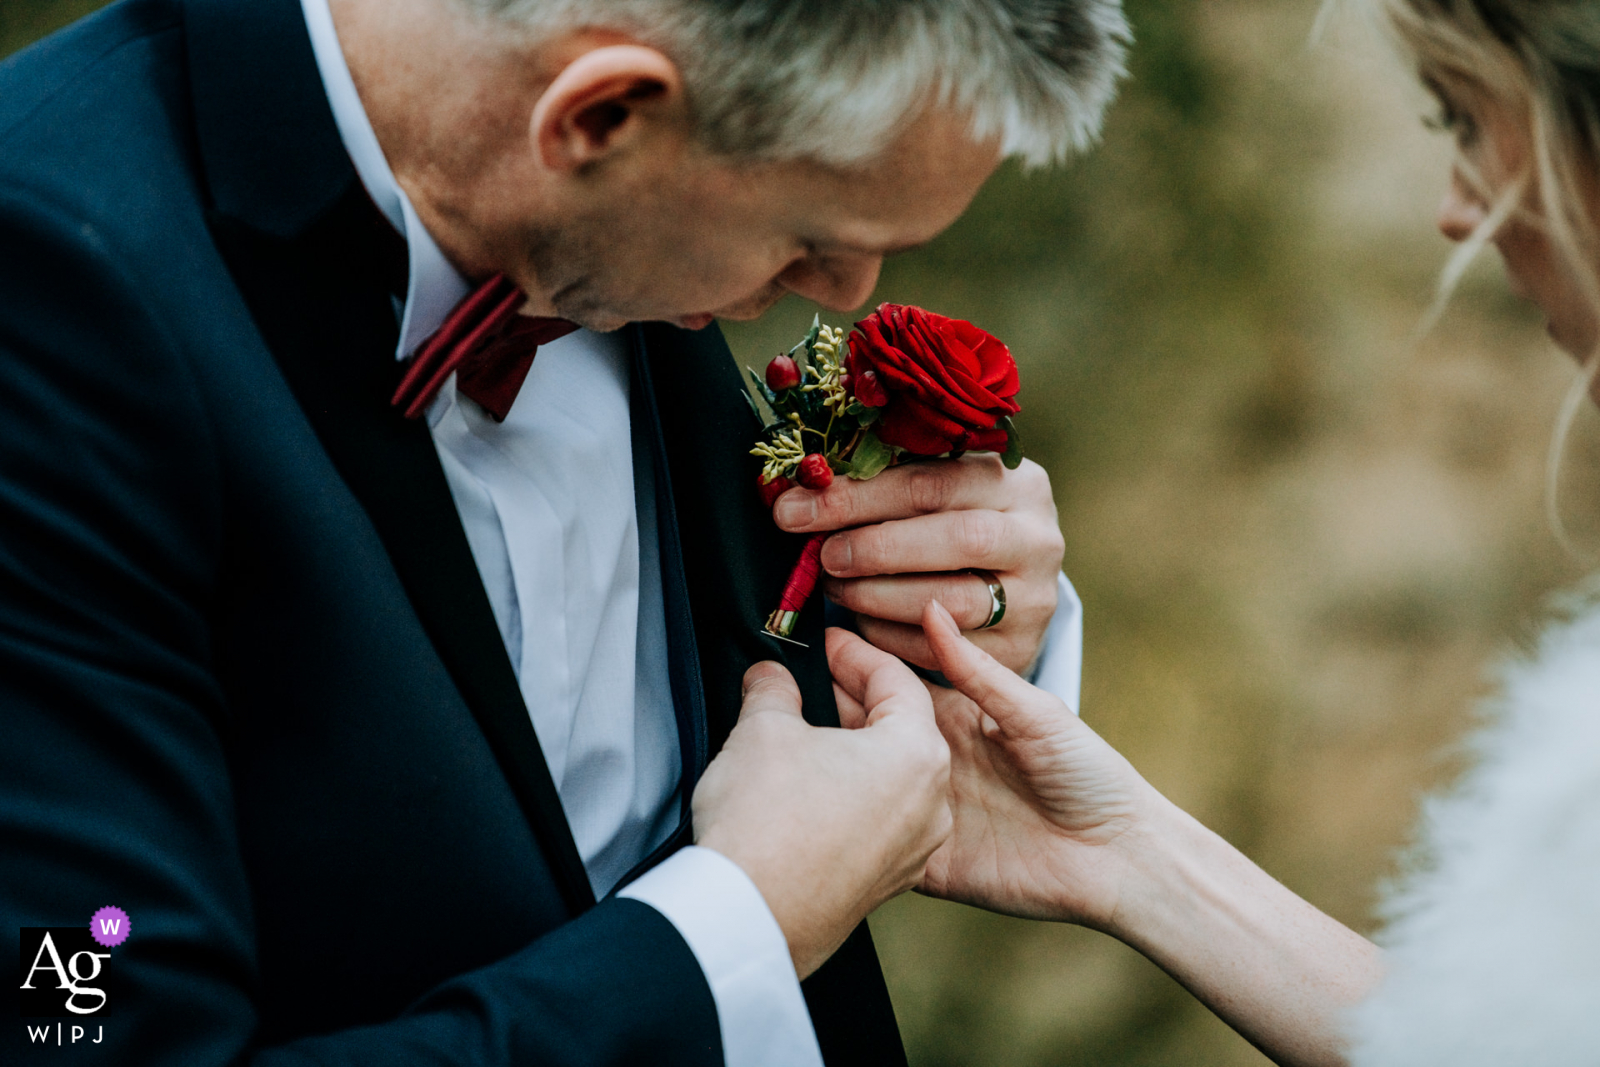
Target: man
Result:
[[356, 685]]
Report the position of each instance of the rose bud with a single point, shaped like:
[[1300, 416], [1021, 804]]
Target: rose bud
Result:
[[814, 472], [869, 390], [782, 373], [771, 491]]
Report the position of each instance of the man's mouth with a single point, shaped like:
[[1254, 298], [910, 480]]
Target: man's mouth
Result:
[[697, 322]]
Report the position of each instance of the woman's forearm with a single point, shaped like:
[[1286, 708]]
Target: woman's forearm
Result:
[[1049, 821], [1269, 964]]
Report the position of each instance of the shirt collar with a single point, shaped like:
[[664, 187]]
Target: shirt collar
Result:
[[434, 287]]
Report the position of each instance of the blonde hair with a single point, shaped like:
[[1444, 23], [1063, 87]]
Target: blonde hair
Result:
[[1540, 61]]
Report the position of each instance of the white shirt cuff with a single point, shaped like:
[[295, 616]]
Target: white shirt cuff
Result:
[[721, 914], [1060, 667]]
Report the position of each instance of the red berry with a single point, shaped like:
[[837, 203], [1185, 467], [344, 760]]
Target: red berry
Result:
[[869, 390], [782, 373], [771, 491], [814, 472]]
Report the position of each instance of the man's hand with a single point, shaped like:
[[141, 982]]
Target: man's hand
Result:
[[920, 525], [828, 823]]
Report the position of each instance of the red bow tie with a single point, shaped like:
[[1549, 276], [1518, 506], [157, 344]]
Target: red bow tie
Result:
[[486, 344]]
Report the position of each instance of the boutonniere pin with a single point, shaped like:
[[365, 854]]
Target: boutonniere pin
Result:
[[905, 384]]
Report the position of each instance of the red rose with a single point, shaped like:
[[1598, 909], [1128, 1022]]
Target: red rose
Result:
[[814, 472], [948, 383]]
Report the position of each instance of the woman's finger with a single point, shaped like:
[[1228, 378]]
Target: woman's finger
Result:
[[1021, 711]]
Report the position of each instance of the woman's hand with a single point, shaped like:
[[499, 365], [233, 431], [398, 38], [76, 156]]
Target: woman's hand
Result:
[[1051, 823], [1045, 812]]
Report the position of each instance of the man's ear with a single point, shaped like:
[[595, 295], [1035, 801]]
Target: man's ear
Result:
[[602, 100]]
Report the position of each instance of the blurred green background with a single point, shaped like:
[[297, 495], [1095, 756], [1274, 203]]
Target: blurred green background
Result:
[[1301, 537]]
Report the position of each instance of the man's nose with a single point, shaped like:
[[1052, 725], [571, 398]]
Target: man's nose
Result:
[[1462, 211], [838, 283]]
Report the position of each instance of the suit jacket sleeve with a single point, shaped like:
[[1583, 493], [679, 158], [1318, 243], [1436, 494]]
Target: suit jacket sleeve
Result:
[[114, 731]]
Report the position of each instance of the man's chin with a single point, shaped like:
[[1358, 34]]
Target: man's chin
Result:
[[753, 308], [742, 313], [610, 323], [606, 322]]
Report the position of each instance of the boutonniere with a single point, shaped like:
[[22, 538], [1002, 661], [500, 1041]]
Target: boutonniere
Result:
[[905, 384]]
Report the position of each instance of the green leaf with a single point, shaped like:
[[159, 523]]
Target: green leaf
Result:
[[867, 416], [754, 410], [1012, 456], [761, 386], [870, 457]]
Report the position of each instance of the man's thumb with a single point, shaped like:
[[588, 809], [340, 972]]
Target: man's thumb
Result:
[[769, 687]]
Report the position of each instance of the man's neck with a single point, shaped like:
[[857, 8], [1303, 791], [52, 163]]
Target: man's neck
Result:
[[448, 96]]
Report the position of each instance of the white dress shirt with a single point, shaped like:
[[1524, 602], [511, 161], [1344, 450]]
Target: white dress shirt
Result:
[[566, 546]]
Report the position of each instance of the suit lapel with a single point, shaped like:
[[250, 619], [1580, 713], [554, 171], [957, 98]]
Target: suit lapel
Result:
[[735, 561], [295, 227], [683, 654]]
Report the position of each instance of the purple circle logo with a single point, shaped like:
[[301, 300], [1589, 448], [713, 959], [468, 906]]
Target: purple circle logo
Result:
[[109, 926]]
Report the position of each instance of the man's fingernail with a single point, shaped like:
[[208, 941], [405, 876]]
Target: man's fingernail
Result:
[[836, 555], [796, 509]]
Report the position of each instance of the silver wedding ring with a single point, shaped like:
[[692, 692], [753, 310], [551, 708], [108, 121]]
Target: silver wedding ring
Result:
[[997, 597]]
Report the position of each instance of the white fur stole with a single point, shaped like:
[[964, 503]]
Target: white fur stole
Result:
[[1493, 944]]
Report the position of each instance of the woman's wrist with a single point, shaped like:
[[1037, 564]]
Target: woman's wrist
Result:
[[1277, 969], [1160, 855], [1110, 876]]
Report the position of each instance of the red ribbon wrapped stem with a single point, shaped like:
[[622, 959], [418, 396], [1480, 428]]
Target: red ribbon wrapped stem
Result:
[[801, 584]]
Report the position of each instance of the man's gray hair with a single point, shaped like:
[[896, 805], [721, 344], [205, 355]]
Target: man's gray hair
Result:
[[834, 80]]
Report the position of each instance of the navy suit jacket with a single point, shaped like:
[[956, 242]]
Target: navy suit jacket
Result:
[[251, 689]]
